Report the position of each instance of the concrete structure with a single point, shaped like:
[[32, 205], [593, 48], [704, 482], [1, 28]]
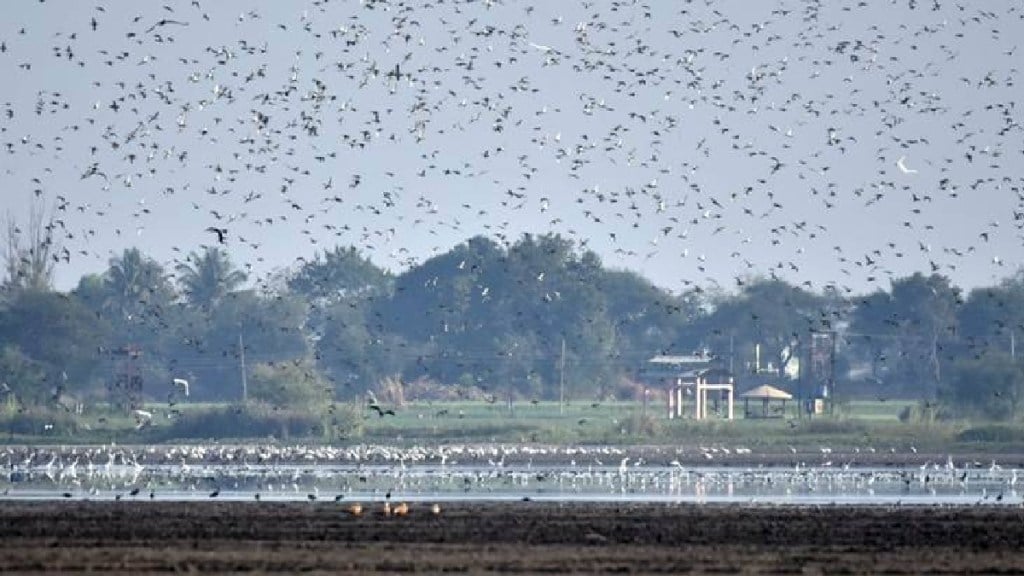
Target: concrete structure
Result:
[[692, 375]]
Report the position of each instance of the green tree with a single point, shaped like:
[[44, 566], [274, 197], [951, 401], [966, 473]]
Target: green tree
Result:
[[207, 278], [290, 384], [273, 328], [990, 386], [357, 354], [22, 376], [58, 334], [872, 335], [338, 275], [136, 286], [209, 345], [647, 319], [909, 332], [925, 309], [771, 314], [136, 297], [992, 317]]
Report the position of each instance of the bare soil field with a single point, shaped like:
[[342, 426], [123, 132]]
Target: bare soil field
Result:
[[143, 537]]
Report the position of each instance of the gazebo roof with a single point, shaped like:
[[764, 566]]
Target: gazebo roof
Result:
[[767, 392]]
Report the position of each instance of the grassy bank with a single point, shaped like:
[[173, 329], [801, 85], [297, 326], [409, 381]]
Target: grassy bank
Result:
[[868, 425]]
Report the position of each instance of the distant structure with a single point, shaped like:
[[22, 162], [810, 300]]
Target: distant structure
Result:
[[773, 402], [699, 376], [126, 388], [818, 374]]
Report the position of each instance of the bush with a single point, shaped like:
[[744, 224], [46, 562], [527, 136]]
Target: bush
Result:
[[826, 426], [923, 413], [992, 433], [643, 425], [291, 384], [262, 420], [38, 422]]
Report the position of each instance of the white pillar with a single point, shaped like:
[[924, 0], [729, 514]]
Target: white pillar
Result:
[[671, 402], [679, 401]]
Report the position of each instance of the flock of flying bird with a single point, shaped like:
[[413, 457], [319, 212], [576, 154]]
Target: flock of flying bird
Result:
[[830, 143]]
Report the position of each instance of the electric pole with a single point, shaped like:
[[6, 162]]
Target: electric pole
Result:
[[561, 381], [241, 357]]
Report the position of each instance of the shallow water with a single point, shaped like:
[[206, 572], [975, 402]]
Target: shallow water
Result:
[[794, 485]]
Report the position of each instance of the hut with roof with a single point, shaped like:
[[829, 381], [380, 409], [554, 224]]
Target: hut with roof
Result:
[[772, 402]]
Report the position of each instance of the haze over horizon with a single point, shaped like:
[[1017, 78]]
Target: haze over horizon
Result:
[[840, 143]]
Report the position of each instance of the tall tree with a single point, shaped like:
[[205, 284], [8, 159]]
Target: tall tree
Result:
[[31, 254], [136, 297], [648, 320], [136, 284], [989, 386], [446, 308], [993, 317], [206, 278], [871, 338], [769, 314], [58, 334], [912, 329], [341, 274], [926, 308]]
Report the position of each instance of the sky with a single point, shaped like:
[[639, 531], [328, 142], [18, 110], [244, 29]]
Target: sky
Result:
[[838, 144]]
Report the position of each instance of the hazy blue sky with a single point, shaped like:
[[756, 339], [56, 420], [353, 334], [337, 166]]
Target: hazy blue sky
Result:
[[692, 142]]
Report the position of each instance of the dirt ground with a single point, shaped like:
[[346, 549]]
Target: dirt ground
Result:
[[527, 537]]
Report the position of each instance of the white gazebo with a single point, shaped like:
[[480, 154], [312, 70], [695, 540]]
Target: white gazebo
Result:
[[697, 375], [712, 380]]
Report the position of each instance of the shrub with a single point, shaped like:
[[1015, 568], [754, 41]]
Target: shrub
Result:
[[38, 422], [832, 426], [992, 433], [262, 420], [643, 425], [923, 413], [291, 384]]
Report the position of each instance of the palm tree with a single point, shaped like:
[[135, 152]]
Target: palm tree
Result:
[[134, 283], [207, 278]]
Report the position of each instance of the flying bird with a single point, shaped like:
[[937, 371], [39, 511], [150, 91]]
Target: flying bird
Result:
[[222, 233], [181, 383], [382, 412], [902, 165]]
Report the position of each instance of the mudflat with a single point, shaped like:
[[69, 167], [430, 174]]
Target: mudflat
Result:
[[148, 537]]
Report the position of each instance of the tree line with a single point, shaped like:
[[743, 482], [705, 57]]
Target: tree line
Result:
[[528, 319]]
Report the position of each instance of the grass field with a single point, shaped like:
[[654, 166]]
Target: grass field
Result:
[[855, 422], [859, 423]]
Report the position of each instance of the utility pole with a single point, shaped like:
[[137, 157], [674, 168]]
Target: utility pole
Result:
[[732, 354], [561, 381], [1013, 346], [241, 357]]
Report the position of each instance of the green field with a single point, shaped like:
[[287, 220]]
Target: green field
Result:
[[856, 424], [626, 422]]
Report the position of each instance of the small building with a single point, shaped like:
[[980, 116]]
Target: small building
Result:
[[698, 376], [772, 402]]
